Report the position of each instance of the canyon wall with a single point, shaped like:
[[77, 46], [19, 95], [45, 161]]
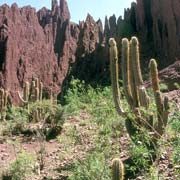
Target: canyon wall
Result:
[[45, 43], [36, 44]]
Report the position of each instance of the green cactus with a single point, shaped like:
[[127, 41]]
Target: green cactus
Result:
[[3, 103], [114, 75], [117, 169], [135, 91], [154, 75], [40, 91], [37, 95], [161, 104], [126, 71], [26, 92], [36, 115]]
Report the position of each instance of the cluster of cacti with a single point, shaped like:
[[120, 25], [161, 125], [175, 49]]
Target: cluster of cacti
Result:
[[134, 89], [33, 92], [3, 103], [117, 169]]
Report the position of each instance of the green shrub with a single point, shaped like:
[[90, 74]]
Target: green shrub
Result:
[[141, 159], [22, 167], [164, 87], [93, 167]]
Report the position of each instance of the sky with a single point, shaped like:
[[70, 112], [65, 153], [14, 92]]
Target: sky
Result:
[[80, 8]]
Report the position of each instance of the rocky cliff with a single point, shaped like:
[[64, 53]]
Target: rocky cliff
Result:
[[43, 44], [36, 44], [157, 24]]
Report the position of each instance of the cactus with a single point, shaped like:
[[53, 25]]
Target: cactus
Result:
[[37, 114], [40, 91], [154, 75], [32, 93], [25, 97], [114, 75], [135, 91], [117, 169], [161, 104], [3, 103]]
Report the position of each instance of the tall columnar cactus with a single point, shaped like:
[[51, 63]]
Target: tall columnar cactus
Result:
[[114, 75], [3, 103], [135, 91], [117, 169]]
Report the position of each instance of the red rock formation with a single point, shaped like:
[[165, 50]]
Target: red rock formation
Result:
[[158, 24], [91, 53], [45, 43], [35, 44]]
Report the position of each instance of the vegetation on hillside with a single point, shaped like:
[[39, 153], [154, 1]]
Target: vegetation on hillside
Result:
[[96, 143]]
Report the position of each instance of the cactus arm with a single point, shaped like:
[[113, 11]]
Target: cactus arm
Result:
[[161, 104], [26, 91], [136, 62], [1, 100], [40, 91], [6, 94], [154, 75], [36, 94], [32, 91], [126, 71], [20, 97], [141, 97], [115, 75], [133, 86]]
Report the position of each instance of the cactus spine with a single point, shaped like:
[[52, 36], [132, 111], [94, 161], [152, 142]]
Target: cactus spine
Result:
[[117, 169], [134, 89]]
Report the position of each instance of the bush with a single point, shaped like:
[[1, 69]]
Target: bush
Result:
[[93, 167], [22, 166]]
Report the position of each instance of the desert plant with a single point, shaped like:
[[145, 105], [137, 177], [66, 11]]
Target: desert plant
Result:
[[117, 169], [22, 166], [3, 103], [94, 166], [33, 92], [135, 91]]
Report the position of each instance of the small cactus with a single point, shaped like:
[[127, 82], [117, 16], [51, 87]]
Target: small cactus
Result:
[[3, 103], [36, 115], [117, 169], [26, 92], [154, 75]]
